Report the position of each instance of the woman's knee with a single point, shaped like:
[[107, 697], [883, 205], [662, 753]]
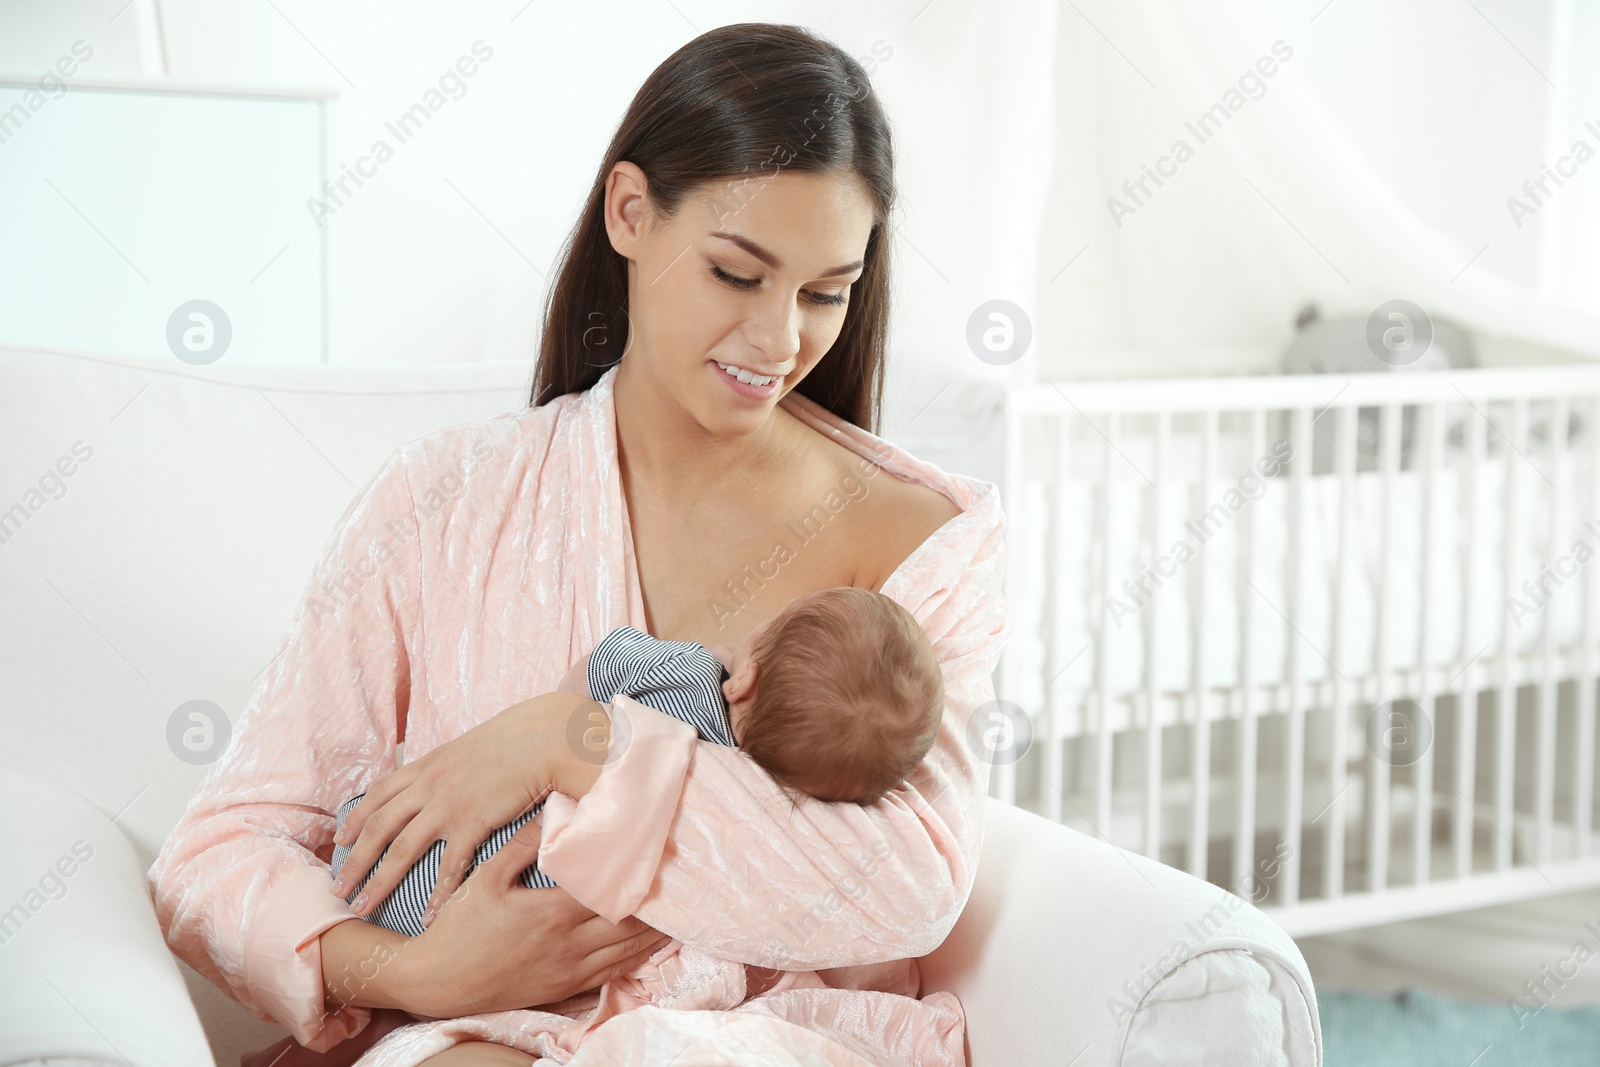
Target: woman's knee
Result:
[[478, 1054]]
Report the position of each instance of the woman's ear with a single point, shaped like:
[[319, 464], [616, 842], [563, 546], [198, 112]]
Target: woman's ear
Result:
[[624, 208]]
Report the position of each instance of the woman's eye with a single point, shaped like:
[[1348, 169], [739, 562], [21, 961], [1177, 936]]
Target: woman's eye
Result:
[[824, 299], [733, 280]]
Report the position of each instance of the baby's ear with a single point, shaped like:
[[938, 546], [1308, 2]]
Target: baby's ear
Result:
[[741, 686]]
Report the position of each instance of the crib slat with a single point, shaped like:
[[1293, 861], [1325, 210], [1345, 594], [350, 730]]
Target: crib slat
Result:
[[1378, 769], [1199, 619], [1059, 654], [1244, 838], [1333, 843], [1103, 735], [1153, 652], [1583, 788], [1430, 429], [1294, 756], [1505, 710], [1545, 782], [1466, 760]]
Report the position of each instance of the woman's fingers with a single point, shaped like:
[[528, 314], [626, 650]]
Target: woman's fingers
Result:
[[382, 824], [377, 795], [370, 826], [519, 852], [410, 845], [624, 948], [499, 871], [623, 956], [453, 867]]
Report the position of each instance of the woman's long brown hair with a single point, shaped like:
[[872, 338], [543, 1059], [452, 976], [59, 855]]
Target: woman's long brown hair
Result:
[[745, 101]]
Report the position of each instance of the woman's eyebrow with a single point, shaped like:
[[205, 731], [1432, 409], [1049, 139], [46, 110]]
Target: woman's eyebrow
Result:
[[773, 261]]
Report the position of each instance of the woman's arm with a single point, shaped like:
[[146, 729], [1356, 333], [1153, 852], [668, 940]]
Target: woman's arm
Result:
[[494, 947], [832, 884], [241, 887], [360, 966]]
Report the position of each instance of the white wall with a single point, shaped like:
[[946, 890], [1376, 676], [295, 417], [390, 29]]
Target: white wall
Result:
[[1015, 122], [444, 254]]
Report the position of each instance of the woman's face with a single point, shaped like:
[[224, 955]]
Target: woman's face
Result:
[[735, 300]]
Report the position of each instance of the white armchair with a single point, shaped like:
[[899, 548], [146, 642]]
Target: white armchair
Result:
[[165, 568], [1073, 952], [85, 975]]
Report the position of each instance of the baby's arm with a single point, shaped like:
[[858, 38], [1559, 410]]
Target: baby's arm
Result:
[[577, 679], [419, 882]]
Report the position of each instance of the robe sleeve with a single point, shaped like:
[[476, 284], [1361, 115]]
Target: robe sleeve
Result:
[[696, 839], [241, 886]]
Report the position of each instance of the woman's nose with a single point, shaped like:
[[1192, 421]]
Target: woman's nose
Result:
[[775, 328]]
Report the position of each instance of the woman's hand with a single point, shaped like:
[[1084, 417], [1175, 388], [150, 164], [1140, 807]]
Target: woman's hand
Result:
[[465, 789], [498, 946]]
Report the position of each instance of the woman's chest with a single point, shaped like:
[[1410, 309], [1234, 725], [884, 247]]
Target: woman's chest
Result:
[[714, 581]]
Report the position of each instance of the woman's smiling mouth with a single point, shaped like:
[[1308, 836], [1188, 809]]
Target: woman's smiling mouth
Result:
[[748, 383]]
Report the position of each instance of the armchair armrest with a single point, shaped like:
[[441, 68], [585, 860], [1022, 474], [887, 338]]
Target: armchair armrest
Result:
[[1071, 951], [85, 975]]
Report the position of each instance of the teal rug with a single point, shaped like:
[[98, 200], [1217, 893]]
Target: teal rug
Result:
[[1415, 1028]]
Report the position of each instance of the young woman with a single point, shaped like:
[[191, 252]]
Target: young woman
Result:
[[696, 455]]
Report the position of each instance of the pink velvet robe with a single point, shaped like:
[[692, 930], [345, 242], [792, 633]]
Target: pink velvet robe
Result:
[[470, 572]]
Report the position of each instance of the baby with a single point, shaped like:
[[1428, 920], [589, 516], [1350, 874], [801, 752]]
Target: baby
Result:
[[838, 696]]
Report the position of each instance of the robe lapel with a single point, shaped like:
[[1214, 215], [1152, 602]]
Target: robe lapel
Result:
[[602, 570]]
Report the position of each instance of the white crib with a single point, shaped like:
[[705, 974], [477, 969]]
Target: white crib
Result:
[[1389, 581]]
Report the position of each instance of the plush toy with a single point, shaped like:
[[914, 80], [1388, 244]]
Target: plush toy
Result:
[[1341, 345]]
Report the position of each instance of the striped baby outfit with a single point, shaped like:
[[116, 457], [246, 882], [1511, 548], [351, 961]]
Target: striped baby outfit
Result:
[[677, 678]]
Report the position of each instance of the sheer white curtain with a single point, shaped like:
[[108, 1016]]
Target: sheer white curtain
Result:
[[971, 94], [1375, 161]]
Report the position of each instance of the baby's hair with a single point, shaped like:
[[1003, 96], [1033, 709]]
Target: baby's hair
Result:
[[848, 696]]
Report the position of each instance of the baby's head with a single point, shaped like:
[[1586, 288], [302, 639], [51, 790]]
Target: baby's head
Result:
[[838, 696]]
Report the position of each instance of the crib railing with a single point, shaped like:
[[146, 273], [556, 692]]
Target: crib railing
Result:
[[1338, 782]]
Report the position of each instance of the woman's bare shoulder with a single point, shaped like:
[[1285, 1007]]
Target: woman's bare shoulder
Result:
[[899, 516], [888, 517]]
